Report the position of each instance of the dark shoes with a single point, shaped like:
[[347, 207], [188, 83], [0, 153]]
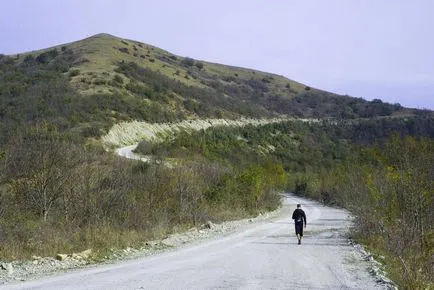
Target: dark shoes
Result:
[[299, 241]]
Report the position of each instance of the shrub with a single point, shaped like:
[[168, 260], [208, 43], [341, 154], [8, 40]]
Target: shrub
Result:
[[29, 59], [74, 72], [60, 65], [188, 61], [99, 82], [124, 50], [45, 57], [118, 79], [199, 64]]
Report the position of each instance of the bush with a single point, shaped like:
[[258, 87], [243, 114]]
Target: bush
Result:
[[188, 61], [124, 50], [46, 57], [29, 59], [99, 82], [118, 79], [74, 72]]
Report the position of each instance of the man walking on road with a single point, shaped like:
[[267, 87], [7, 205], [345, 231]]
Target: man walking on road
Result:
[[299, 218]]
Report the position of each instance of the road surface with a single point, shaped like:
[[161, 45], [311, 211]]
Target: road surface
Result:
[[262, 256]]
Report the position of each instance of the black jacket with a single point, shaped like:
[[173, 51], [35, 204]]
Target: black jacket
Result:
[[299, 216]]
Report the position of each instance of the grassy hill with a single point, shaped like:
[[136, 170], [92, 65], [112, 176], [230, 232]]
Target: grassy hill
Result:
[[89, 85], [60, 191]]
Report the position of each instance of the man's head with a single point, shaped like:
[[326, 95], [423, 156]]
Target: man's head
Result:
[[298, 205]]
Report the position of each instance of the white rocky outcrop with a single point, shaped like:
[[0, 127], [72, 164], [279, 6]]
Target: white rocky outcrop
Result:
[[128, 133]]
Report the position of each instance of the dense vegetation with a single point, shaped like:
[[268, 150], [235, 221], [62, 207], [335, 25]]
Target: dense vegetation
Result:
[[252, 97], [77, 89], [389, 187], [372, 167], [57, 196], [60, 191]]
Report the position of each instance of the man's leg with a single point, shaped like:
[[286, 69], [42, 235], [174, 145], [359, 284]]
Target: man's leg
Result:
[[298, 230]]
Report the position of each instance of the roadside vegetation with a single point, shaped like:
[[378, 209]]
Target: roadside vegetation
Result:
[[60, 191], [389, 188], [57, 196], [381, 170]]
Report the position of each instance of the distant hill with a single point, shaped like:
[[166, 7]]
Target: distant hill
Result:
[[89, 85]]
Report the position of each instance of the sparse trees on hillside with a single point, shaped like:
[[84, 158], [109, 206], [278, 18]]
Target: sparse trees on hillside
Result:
[[40, 165]]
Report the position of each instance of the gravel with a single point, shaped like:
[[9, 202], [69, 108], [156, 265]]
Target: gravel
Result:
[[37, 267]]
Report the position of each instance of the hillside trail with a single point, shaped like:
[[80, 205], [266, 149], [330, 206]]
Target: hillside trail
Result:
[[261, 256]]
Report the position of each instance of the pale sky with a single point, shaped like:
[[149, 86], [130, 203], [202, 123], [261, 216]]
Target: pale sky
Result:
[[364, 48]]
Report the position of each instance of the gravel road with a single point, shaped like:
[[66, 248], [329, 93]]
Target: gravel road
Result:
[[259, 255]]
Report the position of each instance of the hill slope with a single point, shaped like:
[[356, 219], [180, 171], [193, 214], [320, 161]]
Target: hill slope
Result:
[[68, 194], [91, 84]]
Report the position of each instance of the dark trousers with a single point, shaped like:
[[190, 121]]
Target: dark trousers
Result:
[[299, 228]]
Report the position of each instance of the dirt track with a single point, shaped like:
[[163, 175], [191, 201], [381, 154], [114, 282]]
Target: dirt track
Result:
[[261, 256]]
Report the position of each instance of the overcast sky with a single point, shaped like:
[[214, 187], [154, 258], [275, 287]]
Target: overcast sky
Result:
[[364, 48]]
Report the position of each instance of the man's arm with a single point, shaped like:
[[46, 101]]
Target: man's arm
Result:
[[304, 217]]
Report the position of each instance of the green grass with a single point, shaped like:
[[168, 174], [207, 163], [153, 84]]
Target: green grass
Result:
[[102, 51]]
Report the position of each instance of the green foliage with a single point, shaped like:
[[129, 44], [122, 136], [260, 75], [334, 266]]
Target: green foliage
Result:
[[65, 198], [296, 145], [46, 57], [388, 185], [187, 61], [210, 101], [199, 64], [124, 50], [118, 79], [389, 189], [74, 72]]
